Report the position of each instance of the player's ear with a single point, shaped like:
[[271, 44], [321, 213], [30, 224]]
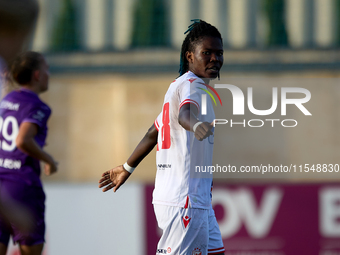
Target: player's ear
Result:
[[189, 56], [36, 75]]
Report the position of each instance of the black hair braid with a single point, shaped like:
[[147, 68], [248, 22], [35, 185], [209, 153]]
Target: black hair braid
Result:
[[197, 31]]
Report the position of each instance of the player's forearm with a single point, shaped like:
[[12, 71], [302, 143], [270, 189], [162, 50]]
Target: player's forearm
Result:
[[187, 119], [29, 146], [144, 147]]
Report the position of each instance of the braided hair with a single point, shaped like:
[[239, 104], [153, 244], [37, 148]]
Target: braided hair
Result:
[[197, 30]]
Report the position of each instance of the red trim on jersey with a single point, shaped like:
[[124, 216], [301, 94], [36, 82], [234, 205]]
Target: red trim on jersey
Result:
[[192, 80], [156, 125], [189, 101], [215, 251], [187, 203]]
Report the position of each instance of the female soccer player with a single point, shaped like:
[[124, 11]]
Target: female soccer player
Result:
[[182, 204], [23, 130]]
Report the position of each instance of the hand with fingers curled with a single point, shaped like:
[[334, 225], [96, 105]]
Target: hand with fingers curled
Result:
[[113, 178], [203, 130], [50, 168]]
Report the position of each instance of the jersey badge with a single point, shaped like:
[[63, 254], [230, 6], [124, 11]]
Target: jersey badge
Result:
[[197, 251]]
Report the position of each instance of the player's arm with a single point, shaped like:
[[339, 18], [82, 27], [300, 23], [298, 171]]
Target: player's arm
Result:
[[188, 120], [26, 143], [144, 147], [116, 177]]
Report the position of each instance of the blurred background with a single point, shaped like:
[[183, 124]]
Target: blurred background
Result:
[[111, 63]]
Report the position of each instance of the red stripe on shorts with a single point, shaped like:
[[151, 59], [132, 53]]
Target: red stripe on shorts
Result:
[[187, 203]]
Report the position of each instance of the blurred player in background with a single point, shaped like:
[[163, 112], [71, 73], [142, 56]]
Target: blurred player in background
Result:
[[23, 120], [183, 204], [17, 21]]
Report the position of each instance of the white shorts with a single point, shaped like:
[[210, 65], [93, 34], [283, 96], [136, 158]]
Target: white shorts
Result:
[[188, 231]]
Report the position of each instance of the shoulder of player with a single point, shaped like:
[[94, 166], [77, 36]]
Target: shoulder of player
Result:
[[11, 97], [10, 94], [37, 104], [189, 81], [43, 106]]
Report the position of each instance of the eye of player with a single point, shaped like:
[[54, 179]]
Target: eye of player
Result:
[[220, 53]]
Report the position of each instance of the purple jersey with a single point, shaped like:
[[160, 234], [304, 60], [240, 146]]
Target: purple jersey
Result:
[[17, 107]]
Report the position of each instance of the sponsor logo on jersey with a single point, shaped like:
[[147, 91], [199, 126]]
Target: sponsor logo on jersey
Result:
[[197, 251], [163, 166], [39, 115], [9, 105], [161, 251], [10, 164], [169, 250]]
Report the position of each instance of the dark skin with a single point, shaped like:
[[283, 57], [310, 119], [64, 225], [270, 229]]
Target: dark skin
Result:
[[205, 62], [207, 59]]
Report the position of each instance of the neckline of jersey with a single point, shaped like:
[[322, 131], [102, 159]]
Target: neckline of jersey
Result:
[[28, 91]]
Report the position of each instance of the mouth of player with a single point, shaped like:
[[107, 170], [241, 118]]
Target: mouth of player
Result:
[[213, 70]]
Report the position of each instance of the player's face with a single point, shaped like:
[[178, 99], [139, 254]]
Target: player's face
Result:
[[44, 75], [207, 59]]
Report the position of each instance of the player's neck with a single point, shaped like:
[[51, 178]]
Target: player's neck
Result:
[[206, 80], [34, 89]]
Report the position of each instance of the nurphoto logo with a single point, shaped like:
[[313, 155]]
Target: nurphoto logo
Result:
[[239, 105]]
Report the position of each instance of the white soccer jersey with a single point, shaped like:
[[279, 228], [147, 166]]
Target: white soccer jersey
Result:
[[179, 152]]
